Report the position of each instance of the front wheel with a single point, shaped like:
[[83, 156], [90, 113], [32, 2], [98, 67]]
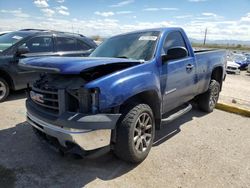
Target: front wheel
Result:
[[208, 100], [135, 133], [4, 89]]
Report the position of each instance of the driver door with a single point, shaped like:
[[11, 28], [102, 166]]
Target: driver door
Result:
[[177, 76]]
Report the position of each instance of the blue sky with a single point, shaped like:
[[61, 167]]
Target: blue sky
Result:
[[224, 19]]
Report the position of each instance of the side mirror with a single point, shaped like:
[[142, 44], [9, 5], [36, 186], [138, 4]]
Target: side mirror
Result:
[[175, 53], [22, 50]]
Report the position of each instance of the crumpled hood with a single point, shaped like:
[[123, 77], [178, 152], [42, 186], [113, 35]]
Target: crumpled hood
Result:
[[69, 65]]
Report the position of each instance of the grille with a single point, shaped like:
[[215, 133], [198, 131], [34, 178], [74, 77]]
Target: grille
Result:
[[47, 98], [55, 94]]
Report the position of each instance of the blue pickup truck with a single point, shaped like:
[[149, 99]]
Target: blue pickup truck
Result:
[[129, 87]]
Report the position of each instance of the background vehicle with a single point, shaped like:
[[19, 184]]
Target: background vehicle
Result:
[[35, 43], [122, 93], [241, 60], [248, 68], [248, 59], [232, 67]]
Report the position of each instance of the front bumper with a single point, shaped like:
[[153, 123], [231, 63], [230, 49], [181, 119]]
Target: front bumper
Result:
[[234, 70], [82, 130]]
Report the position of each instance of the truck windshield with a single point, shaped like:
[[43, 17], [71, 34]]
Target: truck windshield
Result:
[[10, 39], [138, 46]]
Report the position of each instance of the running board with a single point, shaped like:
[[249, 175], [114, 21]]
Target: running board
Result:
[[177, 114]]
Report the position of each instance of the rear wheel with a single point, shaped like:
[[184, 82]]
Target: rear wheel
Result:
[[4, 89], [135, 134], [208, 100]]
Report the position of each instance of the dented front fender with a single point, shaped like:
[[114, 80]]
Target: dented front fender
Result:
[[117, 87]]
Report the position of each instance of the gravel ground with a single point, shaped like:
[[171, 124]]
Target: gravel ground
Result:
[[197, 150], [236, 90]]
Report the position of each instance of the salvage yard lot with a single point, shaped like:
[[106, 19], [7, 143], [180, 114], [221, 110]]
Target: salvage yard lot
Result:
[[197, 150], [237, 88]]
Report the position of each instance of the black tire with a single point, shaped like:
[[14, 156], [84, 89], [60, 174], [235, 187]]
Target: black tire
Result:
[[4, 89], [208, 100], [134, 138]]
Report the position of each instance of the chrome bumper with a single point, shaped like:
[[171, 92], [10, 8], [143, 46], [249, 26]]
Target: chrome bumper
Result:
[[86, 139], [236, 71]]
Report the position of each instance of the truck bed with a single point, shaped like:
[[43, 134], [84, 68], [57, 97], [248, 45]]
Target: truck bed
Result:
[[206, 60]]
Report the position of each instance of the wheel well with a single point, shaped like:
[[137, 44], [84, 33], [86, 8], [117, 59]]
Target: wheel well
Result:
[[7, 78], [150, 98], [217, 75]]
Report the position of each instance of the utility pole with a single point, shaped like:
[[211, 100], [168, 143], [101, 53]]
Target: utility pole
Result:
[[205, 37]]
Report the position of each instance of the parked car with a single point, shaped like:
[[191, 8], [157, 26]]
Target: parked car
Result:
[[35, 43], [248, 59], [248, 68], [130, 86], [241, 60], [232, 67]]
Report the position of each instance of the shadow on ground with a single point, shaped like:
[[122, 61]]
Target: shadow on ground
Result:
[[173, 128], [16, 95], [25, 161]]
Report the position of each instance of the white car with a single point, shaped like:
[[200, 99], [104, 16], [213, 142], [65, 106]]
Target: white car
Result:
[[232, 67]]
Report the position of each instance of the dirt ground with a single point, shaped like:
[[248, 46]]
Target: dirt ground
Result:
[[236, 90], [197, 150]]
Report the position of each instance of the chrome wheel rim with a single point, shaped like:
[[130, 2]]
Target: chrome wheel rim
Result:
[[214, 97], [143, 132], [3, 90]]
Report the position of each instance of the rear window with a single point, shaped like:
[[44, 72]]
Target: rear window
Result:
[[82, 45]]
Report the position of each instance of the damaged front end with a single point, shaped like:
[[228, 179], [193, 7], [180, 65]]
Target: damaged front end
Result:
[[64, 93], [60, 107]]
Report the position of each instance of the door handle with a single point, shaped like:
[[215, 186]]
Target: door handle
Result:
[[189, 67]]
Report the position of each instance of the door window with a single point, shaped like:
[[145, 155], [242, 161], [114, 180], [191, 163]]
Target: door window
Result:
[[66, 44], [173, 39], [39, 44]]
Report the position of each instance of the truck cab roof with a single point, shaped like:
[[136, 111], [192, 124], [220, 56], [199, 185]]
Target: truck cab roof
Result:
[[160, 29]]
